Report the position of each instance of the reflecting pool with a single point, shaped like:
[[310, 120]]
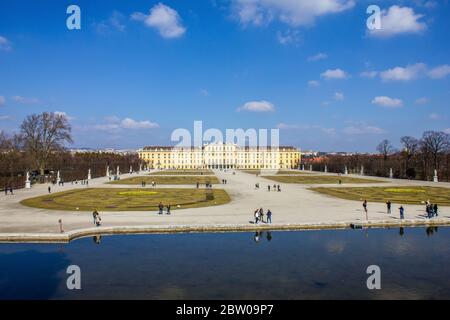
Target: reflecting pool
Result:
[[414, 264]]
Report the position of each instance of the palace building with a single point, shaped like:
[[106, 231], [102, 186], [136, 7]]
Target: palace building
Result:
[[221, 156]]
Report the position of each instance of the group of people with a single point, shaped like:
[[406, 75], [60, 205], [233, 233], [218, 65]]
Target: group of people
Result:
[[276, 187], [161, 208], [389, 209], [9, 189], [224, 181], [431, 210], [82, 182], [259, 216]]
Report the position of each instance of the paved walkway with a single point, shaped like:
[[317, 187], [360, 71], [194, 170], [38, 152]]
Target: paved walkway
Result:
[[294, 205]]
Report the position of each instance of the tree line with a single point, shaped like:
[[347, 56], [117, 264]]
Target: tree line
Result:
[[417, 158], [40, 148]]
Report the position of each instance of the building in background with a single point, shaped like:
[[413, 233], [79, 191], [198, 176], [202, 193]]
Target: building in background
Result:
[[221, 156]]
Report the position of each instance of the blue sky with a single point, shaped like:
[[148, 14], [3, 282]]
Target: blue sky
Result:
[[139, 69]]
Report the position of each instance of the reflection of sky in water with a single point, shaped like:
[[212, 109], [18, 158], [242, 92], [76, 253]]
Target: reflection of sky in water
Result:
[[294, 265]]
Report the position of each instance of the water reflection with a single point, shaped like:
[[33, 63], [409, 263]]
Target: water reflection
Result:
[[97, 239], [260, 234], [431, 230], [327, 264]]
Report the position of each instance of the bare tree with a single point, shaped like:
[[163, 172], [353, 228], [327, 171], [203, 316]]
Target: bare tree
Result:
[[385, 148], [44, 134], [435, 143]]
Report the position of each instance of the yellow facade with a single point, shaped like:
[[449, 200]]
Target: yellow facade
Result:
[[221, 156]]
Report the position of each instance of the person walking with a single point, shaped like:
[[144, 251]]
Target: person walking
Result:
[[261, 214], [49, 189], [435, 208], [168, 209], [94, 216], [402, 212], [388, 205], [256, 214], [160, 207], [268, 188], [365, 209], [269, 216]]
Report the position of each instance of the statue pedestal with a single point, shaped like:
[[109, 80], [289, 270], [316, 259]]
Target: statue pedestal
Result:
[[435, 179], [27, 184]]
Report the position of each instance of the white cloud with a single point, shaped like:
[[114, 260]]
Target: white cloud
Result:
[[334, 74], [313, 83], [257, 106], [363, 129], [399, 20], [204, 92], [447, 131], [25, 100], [435, 116], [115, 124], [439, 72], [305, 127], [422, 101], [62, 113], [2, 101], [317, 57], [129, 123], [4, 118], [369, 74], [338, 96], [291, 12], [286, 126], [407, 73], [165, 19], [115, 21], [288, 37], [387, 102], [5, 44]]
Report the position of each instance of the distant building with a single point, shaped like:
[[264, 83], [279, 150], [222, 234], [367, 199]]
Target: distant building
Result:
[[220, 156]]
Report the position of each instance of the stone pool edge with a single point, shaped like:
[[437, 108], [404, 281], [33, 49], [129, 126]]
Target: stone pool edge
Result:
[[66, 237]]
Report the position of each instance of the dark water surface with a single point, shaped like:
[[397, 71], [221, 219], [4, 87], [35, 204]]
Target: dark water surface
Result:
[[415, 264]]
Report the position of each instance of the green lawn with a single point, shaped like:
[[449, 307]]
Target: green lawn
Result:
[[126, 199], [322, 179], [183, 172], [168, 180], [400, 195]]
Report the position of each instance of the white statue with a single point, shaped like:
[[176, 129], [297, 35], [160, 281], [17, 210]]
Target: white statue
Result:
[[326, 169], [107, 171], [345, 170], [58, 178], [118, 171], [28, 182], [391, 174], [303, 167], [89, 174], [362, 170], [435, 178], [310, 167], [131, 169]]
